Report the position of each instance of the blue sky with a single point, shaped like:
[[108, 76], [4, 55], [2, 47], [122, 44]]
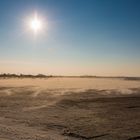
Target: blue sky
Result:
[[83, 37]]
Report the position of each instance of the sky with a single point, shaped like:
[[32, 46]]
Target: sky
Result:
[[79, 37]]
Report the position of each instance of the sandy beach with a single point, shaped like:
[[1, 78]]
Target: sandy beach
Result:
[[69, 109]]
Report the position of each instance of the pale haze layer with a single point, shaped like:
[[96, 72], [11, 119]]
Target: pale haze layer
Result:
[[78, 37]]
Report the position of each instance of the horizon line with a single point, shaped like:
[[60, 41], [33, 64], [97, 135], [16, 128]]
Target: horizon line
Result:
[[54, 75]]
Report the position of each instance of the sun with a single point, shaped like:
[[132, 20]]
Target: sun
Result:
[[36, 24]]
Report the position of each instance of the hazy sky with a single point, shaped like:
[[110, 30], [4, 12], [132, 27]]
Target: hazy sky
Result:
[[81, 37]]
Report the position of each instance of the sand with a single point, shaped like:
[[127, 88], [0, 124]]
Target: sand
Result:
[[69, 109], [74, 84]]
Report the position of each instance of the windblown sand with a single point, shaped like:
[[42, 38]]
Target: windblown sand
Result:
[[74, 84], [69, 109]]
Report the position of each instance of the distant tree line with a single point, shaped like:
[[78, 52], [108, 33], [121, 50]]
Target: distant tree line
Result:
[[7, 75]]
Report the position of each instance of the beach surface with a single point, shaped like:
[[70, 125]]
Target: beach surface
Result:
[[69, 109]]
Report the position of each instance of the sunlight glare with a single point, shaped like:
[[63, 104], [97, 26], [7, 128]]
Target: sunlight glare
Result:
[[35, 24]]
